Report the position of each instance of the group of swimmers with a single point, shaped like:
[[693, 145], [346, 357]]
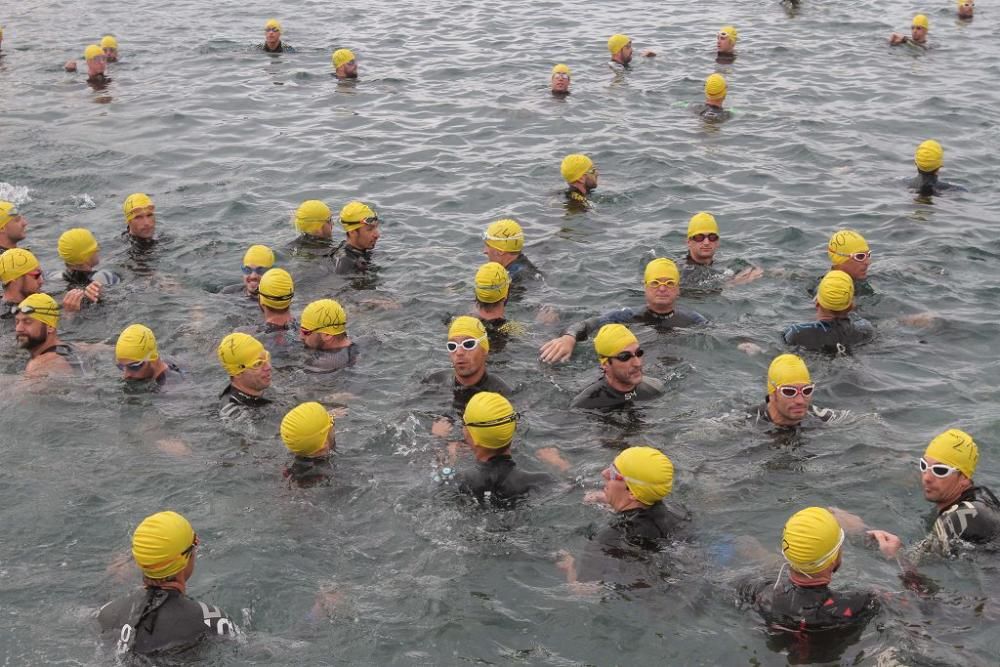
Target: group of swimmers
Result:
[[161, 617]]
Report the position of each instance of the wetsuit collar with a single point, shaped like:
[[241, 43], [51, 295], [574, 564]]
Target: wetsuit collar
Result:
[[243, 398], [691, 260]]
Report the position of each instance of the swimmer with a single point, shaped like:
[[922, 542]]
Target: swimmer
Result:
[[580, 174], [308, 432], [788, 404], [794, 608], [620, 48], [96, 64], [635, 486], [21, 276], [849, 252], [138, 358], [80, 252], [468, 346], [492, 287], [725, 45], [140, 219], [314, 222], [274, 296], [345, 66], [13, 226], [161, 617], [918, 33], [324, 332], [699, 266], [661, 279], [504, 244], [361, 224], [36, 326], [966, 8], [272, 38], [249, 368], [560, 80], [833, 332], [256, 262], [621, 382], [489, 424], [715, 97], [110, 46], [929, 158], [967, 514]]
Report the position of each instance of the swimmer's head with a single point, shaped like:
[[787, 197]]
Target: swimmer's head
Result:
[[490, 420], [929, 156], [812, 540], [560, 78], [41, 307], [324, 316], [849, 252], [258, 256], [835, 292], [276, 289], [919, 29], [140, 215], [240, 352], [702, 223], [725, 41], [345, 64], [715, 89], [966, 8], [315, 218], [110, 47], [787, 369], [503, 236], [93, 51], [77, 247], [611, 340], [306, 429], [163, 545], [579, 171], [620, 48], [272, 33], [955, 448], [648, 473], [661, 270], [492, 283], [15, 263], [8, 213], [136, 343], [465, 327], [361, 223]]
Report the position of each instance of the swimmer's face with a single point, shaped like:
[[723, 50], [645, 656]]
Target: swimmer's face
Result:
[[364, 237], [30, 332], [724, 44], [590, 179], [143, 372], [251, 281], [467, 362], [16, 229], [792, 409], [111, 55], [615, 490], [942, 489], [702, 248], [560, 83], [143, 223], [661, 293], [257, 379], [29, 283], [96, 65], [271, 37], [855, 269], [918, 34], [966, 9], [625, 55], [348, 70], [625, 373]]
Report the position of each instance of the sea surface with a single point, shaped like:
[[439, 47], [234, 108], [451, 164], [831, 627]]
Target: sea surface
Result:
[[450, 127]]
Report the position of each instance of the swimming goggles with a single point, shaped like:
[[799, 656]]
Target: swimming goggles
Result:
[[662, 282], [331, 325], [939, 470], [29, 310], [627, 356], [132, 366], [856, 256], [788, 391], [561, 76], [272, 30], [519, 236], [256, 270], [615, 476], [467, 344], [257, 363], [591, 172], [498, 421], [723, 35], [698, 238]]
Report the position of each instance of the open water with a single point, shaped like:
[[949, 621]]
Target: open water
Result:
[[450, 127]]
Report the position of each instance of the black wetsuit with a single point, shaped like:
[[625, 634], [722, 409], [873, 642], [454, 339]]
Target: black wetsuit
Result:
[[172, 374], [162, 620], [693, 273], [831, 336], [277, 336], [631, 536], [498, 482], [75, 278], [327, 361], [280, 48], [712, 112], [678, 317], [927, 184], [602, 395], [725, 58], [241, 410], [310, 246], [522, 270], [347, 259], [306, 471], [814, 417], [499, 331], [576, 200], [974, 519], [463, 394], [812, 623]]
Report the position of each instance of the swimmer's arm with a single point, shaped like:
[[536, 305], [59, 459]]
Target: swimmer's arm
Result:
[[567, 563], [852, 524], [896, 38], [47, 365], [551, 456]]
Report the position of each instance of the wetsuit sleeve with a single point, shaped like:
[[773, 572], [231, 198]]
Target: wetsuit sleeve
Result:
[[589, 327], [218, 622], [967, 521]]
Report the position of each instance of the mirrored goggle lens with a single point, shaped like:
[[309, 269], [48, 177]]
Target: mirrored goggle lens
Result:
[[627, 356]]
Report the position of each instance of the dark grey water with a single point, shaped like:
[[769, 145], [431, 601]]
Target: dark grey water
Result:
[[449, 128]]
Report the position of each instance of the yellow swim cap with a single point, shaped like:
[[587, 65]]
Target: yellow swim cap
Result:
[[786, 369], [702, 223], [920, 21], [109, 42], [342, 56], [811, 540], [715, 86], [273, 23], [259, 255], [137, 343], [929, 156], [957, 449], [325, 316], [311, 215], [661, 268], [505, 235], [276, 289], [561, 69], [7, 213], [466, 325], [354, 214], [491, 420], [44, 308], [162, 544], [135, 202], [492, 283], [617, 42], [612, 339], [15, 263], [835, 291], [575, 166], [92, 51], [305, 428], [730, 32], [648, 473], [843, 244], [238, 352], [77, 245]]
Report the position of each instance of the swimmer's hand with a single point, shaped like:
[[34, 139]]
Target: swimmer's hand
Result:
[[547, 315], [851, 523], [558, 349], [595, 498], [896, 38], [73, 300], [747, 275], [552, 456], [922, 320], [93, 291], [648, 54], [751, 349], [70, 66], [173, 446], [888, 543], [441, 427]]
